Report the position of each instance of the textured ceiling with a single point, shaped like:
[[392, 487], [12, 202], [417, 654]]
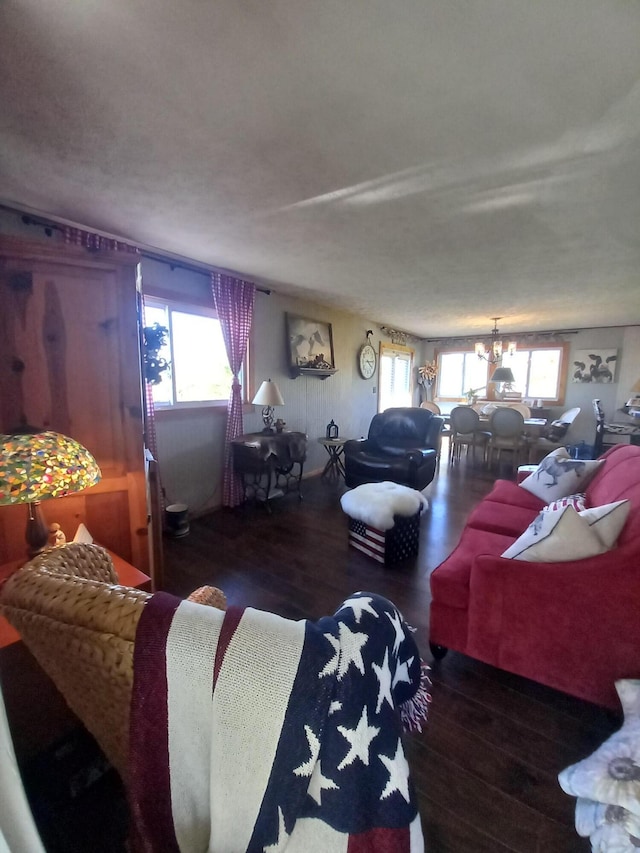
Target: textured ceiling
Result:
[[427, 164]]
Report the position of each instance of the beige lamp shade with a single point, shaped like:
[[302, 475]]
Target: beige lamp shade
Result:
[[268, 395]]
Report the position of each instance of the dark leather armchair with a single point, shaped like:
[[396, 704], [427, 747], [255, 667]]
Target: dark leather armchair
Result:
[[403, 446]]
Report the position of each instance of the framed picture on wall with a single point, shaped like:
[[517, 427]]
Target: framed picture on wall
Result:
[[594, 365], [309, 343]]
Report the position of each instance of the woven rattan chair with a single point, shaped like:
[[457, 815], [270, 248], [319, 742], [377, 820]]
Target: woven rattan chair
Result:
[[80, 625]]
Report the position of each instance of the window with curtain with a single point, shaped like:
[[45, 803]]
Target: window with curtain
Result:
[[199, 372], [395, 376]]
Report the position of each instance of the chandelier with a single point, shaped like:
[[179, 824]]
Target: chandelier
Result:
[[495, 350]]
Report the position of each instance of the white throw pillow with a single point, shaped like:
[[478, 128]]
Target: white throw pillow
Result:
[[607, 520], [556, 537], [558, 475], [611, 774], [577, 501]]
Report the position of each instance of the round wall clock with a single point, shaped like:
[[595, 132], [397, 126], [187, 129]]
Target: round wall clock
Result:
[[367, 361]]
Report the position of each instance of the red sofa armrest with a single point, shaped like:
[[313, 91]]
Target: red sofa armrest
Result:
[[571, 625]]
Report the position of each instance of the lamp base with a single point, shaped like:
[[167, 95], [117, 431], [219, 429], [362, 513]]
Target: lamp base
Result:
[[37, 532]]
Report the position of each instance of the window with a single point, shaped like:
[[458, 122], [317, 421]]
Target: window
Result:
[[396, 363], [539, 373], [199, 370], [459, 372]]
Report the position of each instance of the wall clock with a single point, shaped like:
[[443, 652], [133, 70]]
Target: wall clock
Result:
[[367, 359]]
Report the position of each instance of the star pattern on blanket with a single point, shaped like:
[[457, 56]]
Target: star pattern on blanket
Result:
[[319, 783], [360, 605], [360, 739], [383, 674], [398, 774], [351, 644], [283, 835], [306, 768]]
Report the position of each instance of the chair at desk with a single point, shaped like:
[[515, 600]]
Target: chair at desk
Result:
[[598, 444], [431, 407]]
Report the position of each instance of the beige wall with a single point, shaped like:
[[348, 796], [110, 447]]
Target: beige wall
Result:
[[190, 443]]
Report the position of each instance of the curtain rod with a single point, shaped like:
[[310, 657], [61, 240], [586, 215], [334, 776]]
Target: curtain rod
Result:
[[174, 263], [514, 335]]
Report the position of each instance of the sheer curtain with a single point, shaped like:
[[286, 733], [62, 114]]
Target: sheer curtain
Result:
[[234, 300]]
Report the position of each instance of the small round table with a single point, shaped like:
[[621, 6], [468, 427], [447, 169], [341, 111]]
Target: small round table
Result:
[[335, 448]]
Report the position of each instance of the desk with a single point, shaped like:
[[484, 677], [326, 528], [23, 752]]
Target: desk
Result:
[[335, 448], [275, 457]]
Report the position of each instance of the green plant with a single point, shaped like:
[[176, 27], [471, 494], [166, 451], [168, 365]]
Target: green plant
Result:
[[155, 338], [472, 392]]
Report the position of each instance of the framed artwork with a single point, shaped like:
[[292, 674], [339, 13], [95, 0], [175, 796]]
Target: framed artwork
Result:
[[594, 365], [309, 343]]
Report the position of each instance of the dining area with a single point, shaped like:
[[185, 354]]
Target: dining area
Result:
[[496, 432]]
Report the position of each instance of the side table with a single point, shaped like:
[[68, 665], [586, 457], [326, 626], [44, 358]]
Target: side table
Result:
[[268, 462], [334, 469]]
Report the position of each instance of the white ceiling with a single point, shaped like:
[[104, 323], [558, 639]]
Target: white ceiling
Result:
[[425, 163]]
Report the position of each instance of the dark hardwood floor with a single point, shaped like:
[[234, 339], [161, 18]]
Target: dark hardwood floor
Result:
[[486, 764]]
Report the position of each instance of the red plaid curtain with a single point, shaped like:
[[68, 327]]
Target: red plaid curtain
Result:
[[234, 300], [78, 237]]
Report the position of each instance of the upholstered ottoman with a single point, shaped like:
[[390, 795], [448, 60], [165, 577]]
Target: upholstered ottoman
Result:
[[384, 520]]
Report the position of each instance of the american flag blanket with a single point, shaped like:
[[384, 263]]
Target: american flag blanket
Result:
[[250, 732]]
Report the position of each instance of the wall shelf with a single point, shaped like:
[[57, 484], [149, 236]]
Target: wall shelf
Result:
[[321, 373]]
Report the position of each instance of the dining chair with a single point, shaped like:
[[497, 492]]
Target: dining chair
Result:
[[432, 407], [506, 426], [466, 432]]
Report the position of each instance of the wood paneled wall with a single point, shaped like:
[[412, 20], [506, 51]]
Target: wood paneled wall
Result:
[[70, 362]]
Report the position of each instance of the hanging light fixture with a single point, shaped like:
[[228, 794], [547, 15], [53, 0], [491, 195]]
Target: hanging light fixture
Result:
[[494, 352]]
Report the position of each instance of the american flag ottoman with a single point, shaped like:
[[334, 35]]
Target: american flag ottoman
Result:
[[384, 520], [387, 546]]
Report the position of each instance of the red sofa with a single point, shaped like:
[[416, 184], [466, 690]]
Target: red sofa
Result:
[[574, 626]]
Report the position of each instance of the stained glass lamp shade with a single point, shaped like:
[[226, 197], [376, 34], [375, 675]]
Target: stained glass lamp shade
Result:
[[35, 466]]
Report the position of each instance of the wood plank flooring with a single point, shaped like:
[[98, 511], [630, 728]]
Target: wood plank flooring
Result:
[[486, 764]]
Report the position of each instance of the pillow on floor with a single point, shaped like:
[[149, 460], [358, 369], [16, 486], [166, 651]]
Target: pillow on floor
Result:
[[611, 774], [556, 537], [558, 475]]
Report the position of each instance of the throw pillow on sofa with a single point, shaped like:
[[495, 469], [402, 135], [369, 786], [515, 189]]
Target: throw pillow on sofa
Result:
[[577, 501], [611, 774], [559, 475], [607, 520], [556, 537]]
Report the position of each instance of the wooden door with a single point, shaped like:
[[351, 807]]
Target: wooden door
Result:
[[70, 362]]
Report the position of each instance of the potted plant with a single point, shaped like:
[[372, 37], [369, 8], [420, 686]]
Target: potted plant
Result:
[[472, 395]]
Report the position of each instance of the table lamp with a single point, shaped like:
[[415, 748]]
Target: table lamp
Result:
[[502, 376], [35, 466], [268, 396]]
